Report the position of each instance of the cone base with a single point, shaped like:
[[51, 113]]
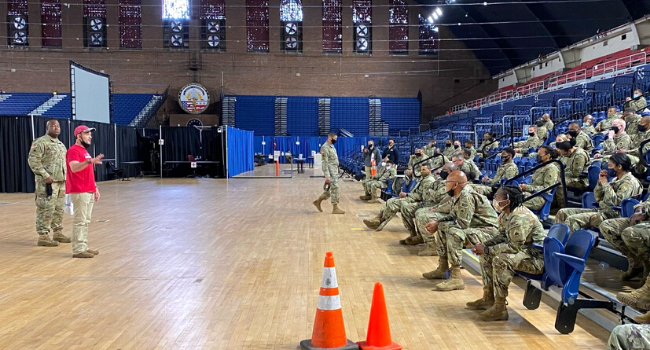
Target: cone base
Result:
[[306, 345], [392, 346]]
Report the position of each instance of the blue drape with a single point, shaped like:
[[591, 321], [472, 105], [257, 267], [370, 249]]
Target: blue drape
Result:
[[344, 146], [240, 157]]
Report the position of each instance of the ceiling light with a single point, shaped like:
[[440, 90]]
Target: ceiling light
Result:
[[439, 11], [484, 3], [435, 15], [435, 29], [466, 14], [430, 19]]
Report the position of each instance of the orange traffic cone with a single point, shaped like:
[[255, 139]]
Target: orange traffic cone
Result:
[[378, 337], [329, 332]]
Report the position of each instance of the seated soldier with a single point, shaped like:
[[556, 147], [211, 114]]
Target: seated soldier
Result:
[[430, 149], [394, 205], [547, 120], [542, 178], [542, 132], [438, 160], [467, 166], [576, 161], [582, 139], [624, 234], [631, 121], [617, 139], [431, 196], [470, 220], [636, 102], [510, 250], [588, 125], [413, 168], [605, 124], [438, 195], [507, 170], [449, 149], [531, 142], [642, 134], [379, 181], [624, 185], [629, 337], [489, 142], [470, 146], [559, 138]]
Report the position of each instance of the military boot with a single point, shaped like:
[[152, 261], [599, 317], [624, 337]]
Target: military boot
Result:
[[61, 238], [373, 223], [318, 202], [45, 241], [384, 222], [440, 273], [638, 298], [429, 250], [373, 198], [634, 269], [485, 302], [643, 319], [498, 311], [336, 210], [365, 197], [412, 240], [83, 255], [455, 282]]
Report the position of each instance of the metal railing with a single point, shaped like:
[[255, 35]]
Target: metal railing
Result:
[[535, 168]]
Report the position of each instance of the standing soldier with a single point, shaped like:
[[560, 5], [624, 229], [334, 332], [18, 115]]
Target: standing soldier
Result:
[[47, 161], [331, 172]]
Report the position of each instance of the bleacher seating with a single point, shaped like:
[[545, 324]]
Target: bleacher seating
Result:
[[127, 106], [60, 110], [21, 103]]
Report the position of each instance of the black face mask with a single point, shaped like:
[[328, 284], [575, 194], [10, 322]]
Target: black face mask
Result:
[[539, 159], [370, 146], [615, 128], [418, 154], [450, 193], [573, 133], [641, 128], [456, 146], [531, 134], [540, 123], [83, 143], [444, 174], [505, 159], [448, 144], [333, 141]]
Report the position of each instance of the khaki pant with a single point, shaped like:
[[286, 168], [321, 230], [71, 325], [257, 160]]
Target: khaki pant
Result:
[[368, 172], [83, 208]]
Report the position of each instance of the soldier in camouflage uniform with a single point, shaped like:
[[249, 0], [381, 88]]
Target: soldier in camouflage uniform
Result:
[[588, 125], [468, 166], [331, 172], [507, 170], [429, 149], [542, 132], [637, 102], [469, 145], [629, 337], [379, 181], [435, 196], [617, 139], [631, 121], [607, 195], [394, 205], [642, 134], [576, 161], [531, 142], [605, 124], [626, 235], [542, 178], [47, 161], [413, 170], [582, 140], [450, 149], [471, 220], [548, 123], [487, 144], [421, 197], [510, 250]]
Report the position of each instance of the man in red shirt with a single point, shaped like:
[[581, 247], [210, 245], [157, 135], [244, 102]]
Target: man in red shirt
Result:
[[80, 180]]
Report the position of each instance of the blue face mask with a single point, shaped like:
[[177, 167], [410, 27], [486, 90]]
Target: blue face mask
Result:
[[635, 95], [611, 172], [585, 124]]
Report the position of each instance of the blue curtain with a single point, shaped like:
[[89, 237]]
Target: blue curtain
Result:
[[240, 157], [344, 146]]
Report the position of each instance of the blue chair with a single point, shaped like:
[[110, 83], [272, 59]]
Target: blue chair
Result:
[[408, 188], [598, 139], [627, 207], [545, 211], [589, 200], [592, 175], [560, 232]]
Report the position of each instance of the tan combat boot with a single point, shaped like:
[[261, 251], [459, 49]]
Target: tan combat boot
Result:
[[373, 199], [318, 202], [365, 197], [373, 223], [93, 252], [45, 241], [455, 282], [336, 210], [485, 302], [634, 269], [498, 311], [412, 240], [61, 238], [440, 273], [643, 319], [429, 250], [83, 255], [638, 298]]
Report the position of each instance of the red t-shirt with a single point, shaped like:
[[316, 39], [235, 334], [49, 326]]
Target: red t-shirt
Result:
[[84, 180]]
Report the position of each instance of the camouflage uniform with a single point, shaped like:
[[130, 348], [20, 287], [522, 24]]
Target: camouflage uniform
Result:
[[421, 196], [629, 337], [636, 104], [394, 205], [469, 167], [512, 249], [429, 150], [331, 170], [380, 180], [530, 142], [632, 125], [606, 123], [542, 178], [584, 141], [542, 133], [505, 171], [548, 125], [47, 159], [416, 171], [438, 162], [589, 130], [633, 152], [450, 151], [611, 145], [471, 219], [574, 164], [472, 153], [631, 241], [484, 149], [607, 195], [435, 196]]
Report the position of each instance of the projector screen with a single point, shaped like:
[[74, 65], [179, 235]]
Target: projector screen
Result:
[[90, 92]]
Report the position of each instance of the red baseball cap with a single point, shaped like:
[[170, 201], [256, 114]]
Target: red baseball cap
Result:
[[82, 128]]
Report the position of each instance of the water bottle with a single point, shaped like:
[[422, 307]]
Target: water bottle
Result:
[[603, 265]]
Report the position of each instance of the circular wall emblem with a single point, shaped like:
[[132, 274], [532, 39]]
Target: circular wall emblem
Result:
[[194, 122], [194, 98]]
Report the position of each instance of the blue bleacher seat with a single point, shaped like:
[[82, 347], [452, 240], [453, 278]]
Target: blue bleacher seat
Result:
[[592, 174], [589, 200], [627, 207], [545, 211]]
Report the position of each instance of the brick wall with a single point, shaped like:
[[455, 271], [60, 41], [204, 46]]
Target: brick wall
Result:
[[455, 77]]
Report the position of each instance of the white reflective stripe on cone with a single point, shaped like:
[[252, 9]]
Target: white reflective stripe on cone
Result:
[[328, 303], [329, 278]]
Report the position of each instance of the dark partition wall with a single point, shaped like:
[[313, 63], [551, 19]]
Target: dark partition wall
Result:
[[15, 141]]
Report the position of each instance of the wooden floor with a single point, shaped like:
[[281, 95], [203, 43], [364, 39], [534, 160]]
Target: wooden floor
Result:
[[218, 264]]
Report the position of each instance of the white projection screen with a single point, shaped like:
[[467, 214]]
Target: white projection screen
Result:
[[90, 92]]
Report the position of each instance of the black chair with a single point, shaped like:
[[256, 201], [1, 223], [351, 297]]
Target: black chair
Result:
[[113, 172]]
